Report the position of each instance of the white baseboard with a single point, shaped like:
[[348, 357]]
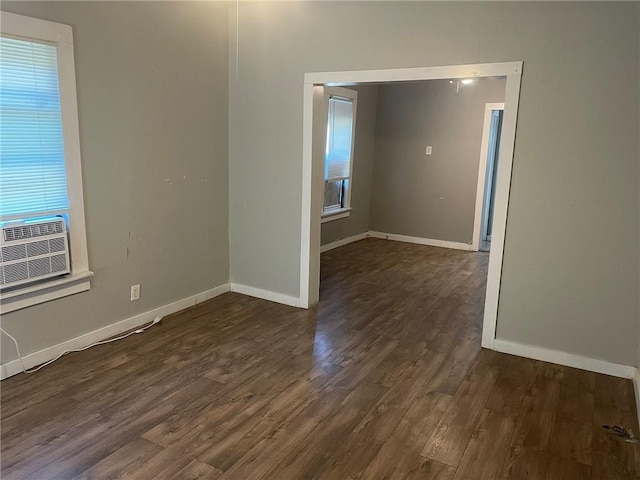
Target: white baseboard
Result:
[[421, 241], [343, 241], [565, 359], [266, 294], [31, 360], [211, 293]]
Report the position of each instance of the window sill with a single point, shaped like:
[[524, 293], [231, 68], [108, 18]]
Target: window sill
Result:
[[35, 294], [335, 215]]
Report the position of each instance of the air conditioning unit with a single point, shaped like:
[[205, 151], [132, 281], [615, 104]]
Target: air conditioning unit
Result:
[[33, 250]]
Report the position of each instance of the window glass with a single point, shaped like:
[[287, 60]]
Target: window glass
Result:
[[33, 179], [339, 132]]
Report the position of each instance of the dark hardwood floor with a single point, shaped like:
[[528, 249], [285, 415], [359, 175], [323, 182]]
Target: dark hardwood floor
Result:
[[385, 379]]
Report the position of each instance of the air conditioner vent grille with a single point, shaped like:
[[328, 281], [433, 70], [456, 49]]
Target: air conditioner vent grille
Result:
[[39, 267], [23, 232], [58, 263], [33, 251], [15, 273], [14, 252], [57, 245]]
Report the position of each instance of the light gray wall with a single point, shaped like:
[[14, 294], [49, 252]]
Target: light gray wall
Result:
[[363, 155], [429, 196], [570, 274], [153, 99]]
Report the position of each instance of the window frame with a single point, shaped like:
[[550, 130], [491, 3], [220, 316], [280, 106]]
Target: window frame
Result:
[[60, 35], [352, 95]]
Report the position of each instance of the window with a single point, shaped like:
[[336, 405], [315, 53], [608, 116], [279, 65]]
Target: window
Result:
[[341, 108], [40, 173], [34, 179]]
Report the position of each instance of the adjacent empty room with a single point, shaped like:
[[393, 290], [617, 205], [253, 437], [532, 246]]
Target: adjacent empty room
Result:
[[194, 284]]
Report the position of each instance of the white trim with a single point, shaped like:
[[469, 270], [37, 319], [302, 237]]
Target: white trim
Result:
[[44, 292], [335, 215], [420, 241], [71, 138], [21, 216], [265, 294], [35, 28], [341, 92], [62, 36], [309, 229], [478, 220], [314, 141], [31, 360], [312, 180], [412, 74], [343, 241], [636, 390], [499, 222], [353, 96], [563, 358], [211, 293]]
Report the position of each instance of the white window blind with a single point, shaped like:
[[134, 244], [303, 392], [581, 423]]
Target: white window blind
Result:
[[339, 138], [33, 179]]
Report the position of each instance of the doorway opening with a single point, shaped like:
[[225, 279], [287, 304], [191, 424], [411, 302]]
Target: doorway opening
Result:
[[313, 170], [489, 154]]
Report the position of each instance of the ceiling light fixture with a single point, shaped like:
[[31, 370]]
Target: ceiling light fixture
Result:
[[467, 81]]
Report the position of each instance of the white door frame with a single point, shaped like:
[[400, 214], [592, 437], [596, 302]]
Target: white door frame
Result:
[[481, 201], [312, 174]]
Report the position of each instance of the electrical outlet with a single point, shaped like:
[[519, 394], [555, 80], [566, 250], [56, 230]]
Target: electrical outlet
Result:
[[135, 292], [428, 150]]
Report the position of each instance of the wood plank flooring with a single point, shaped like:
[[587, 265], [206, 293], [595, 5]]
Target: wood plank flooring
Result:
[[385, 379]]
